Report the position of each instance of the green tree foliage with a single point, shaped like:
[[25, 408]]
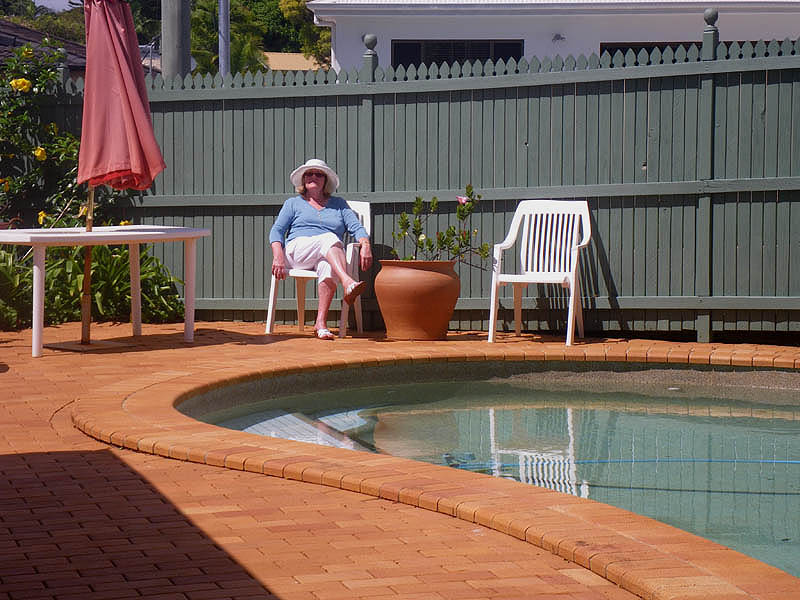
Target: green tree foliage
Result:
[[38, 163], [19, 8], [146, 19], [38, 169], [278, 34], [66, 25], [245, 50], [314, 41]]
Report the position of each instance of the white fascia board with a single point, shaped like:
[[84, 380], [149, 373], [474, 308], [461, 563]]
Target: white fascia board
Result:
[[330, 9]]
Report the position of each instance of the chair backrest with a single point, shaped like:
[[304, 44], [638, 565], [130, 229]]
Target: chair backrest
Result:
[[363, 211], [552, 232]]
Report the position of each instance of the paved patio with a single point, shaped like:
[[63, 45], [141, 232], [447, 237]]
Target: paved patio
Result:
[[108, 492]]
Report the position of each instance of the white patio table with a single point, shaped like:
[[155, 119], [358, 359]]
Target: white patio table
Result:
[[133, 236]]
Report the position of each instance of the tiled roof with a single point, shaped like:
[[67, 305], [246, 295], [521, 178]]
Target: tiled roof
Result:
[[13, 35]]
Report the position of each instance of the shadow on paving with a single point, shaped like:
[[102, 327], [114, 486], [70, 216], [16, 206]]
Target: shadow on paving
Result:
[[83, 524], [155, 341]]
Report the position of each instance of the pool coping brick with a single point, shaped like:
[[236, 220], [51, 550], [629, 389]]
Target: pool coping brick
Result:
[[647, 559]]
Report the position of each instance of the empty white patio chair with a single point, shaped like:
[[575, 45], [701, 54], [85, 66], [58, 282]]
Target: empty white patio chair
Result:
[[549, 234], [303, 276]]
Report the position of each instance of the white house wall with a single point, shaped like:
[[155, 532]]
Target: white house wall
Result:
[[583, 33]]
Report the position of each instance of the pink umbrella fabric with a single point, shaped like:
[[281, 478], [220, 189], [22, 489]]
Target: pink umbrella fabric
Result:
[[118, 147]]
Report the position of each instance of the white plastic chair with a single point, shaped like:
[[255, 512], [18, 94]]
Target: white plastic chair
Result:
[[303, 276], [550, 233]]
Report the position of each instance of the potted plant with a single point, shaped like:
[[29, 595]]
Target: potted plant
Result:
[[418, 293]]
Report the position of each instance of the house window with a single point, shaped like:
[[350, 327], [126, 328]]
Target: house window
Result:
[[417, 52]]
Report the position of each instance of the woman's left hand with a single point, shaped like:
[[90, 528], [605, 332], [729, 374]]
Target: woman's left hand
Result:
[[366, 254]]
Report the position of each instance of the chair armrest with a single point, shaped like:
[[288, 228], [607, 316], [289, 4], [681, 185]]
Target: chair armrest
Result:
[[352, 255]]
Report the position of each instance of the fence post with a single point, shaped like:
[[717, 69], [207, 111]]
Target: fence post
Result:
[[705, 172], [366, 142]]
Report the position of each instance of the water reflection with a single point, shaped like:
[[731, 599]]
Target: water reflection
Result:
[[732, 479]]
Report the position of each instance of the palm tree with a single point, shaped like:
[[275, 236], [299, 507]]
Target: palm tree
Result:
[[246, 53]]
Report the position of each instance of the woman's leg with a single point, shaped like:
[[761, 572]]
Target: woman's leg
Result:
[[338, 262], [326, 289]]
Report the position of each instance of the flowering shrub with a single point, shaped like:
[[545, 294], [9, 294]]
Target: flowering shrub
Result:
[[38, 170], [454, 243], [39, 162]]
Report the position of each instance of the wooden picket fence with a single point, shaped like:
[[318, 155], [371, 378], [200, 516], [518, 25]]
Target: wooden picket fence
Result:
[[689, 157]]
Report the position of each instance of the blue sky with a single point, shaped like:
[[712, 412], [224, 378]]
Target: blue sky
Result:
[[56, 5]]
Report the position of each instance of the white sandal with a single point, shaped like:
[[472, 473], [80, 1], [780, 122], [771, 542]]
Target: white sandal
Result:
[[325, 334]]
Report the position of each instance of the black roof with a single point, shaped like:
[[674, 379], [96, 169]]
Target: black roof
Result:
[[13, 35]]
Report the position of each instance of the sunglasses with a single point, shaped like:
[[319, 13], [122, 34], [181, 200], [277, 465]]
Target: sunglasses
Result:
[[313, 174]]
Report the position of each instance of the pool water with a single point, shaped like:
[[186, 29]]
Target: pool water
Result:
[[727, 470]]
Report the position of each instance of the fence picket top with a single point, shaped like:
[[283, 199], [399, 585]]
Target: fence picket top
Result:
[[352, 75], [188, 82], [249, 79], [618, 60], [217, 80], [570, 63], [760, 49], [774, 48], [656, 57], [523, 66], [500, 67], [433, 72], [547, 65], [258, 79], [668, 56], [747, 50], [208, 81], [582, 63], [786, 47], [488, 67], [693, 54], [642, 58]]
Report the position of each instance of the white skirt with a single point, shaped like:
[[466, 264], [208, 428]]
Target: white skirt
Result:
[[308, 252]]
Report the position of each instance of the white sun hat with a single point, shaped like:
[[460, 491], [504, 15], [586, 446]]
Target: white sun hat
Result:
[[332, 179]]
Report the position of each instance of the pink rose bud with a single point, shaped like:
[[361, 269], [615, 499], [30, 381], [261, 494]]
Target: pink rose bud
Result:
[[462, 199]]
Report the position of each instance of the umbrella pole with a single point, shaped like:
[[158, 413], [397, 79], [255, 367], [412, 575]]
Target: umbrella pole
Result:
[[86, 296]]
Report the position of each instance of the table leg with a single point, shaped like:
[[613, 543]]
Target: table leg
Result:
[[38, 300], [189, 265], [136, 289]]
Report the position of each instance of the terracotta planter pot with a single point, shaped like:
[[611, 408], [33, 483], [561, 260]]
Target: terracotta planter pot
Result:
[[417, 298]]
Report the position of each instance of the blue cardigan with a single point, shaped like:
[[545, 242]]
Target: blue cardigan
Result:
[[299, 218]]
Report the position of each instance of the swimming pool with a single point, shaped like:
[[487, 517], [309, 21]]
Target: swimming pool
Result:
[[653, 442]]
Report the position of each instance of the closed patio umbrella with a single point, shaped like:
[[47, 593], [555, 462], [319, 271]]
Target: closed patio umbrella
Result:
[[118, 147]]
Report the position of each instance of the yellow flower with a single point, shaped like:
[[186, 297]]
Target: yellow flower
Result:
[[4, 183], [40, 154], [123, 223], [27, 53], [42, 216], [21, 84]]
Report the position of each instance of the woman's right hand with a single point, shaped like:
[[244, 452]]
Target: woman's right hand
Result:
[[279, 269]]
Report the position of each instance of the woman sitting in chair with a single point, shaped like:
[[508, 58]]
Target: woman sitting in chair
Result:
[[308, 235]]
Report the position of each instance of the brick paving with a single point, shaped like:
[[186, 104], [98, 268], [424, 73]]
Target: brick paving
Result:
[[106, 491]]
